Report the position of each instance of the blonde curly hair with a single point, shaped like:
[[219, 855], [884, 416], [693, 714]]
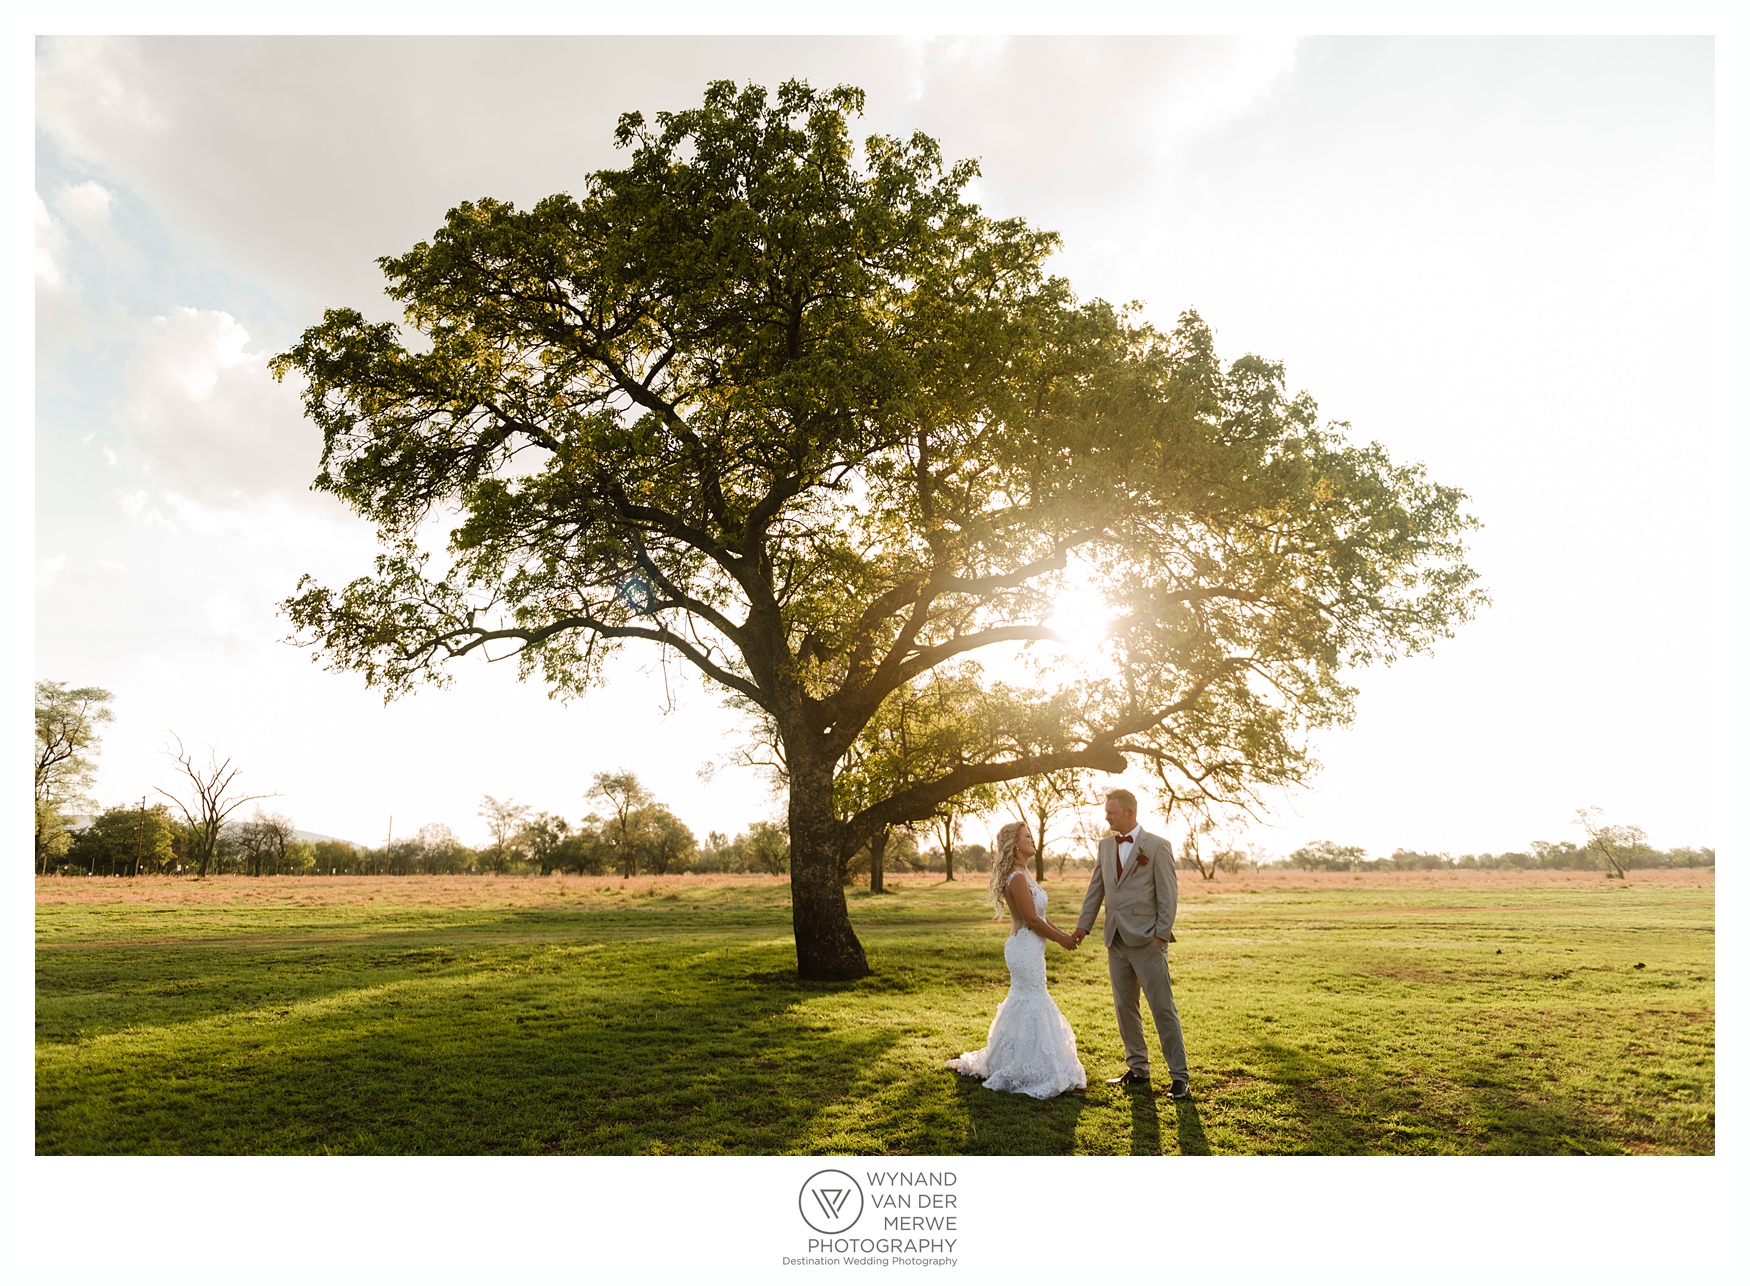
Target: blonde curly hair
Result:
[[1003, 867]]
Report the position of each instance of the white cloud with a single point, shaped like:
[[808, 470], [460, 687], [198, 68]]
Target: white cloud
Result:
[[210, 421], [64, 321], [138, 506], [1233, 79], [87, 207], [230, 618], [1058, 123], [52, 250], [96, 78], [48, 570], [297, 161]]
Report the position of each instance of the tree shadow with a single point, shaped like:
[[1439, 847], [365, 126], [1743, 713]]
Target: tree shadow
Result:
[[662, 1048], [100, 988], [1348, 1108], [999, 1123]]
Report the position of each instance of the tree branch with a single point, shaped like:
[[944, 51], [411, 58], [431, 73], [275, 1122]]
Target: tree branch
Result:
[[473, 637], [922, 801]]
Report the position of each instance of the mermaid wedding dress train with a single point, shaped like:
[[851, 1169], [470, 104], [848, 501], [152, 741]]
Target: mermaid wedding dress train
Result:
[[1030, 1048]]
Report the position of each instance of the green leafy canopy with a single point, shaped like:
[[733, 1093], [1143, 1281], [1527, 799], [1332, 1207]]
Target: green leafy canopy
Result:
[[797, 411]]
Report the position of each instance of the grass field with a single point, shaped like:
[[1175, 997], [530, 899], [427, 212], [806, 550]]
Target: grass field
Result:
[[1447, 1012]]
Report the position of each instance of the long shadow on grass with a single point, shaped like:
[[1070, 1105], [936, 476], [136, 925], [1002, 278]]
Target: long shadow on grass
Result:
[[1145, 1124], [111, 989], [1005, 1124], [1189, 1124], [1506, 1119], [1329, 1102], [671, 1055], [92, 990], [1345, 1108]]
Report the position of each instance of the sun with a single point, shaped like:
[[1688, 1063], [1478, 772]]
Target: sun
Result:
[[1081, 616]]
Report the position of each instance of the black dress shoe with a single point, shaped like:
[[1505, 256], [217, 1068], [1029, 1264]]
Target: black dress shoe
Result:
[[1179, 1089], [1128, 1080]]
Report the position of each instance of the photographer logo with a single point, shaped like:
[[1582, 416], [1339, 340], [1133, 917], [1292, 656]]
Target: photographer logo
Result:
[[831, 1201]]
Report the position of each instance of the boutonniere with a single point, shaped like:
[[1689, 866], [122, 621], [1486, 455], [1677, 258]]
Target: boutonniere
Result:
[[1142, 859]]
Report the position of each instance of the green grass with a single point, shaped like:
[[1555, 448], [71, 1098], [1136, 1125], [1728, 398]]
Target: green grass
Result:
[[1380, 1014]]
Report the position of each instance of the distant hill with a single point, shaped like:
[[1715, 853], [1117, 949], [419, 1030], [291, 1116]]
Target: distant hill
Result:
[[311, 837]]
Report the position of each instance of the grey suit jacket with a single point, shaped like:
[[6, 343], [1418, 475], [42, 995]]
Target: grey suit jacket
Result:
[[1142, 905]]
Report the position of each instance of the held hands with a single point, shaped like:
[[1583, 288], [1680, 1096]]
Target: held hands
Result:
[[1075, 939]]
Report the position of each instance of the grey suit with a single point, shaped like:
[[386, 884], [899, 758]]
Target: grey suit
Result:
[[1140, 909]]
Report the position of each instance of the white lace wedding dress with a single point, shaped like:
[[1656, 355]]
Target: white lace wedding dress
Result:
[[1030, 1049]]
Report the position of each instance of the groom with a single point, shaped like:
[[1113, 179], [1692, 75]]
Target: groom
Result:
[[1134, 875]]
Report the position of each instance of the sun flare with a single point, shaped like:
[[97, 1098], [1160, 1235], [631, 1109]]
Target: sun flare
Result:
[[1081, 616]]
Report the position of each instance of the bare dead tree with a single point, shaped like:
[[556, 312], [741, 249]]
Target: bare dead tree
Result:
[[212, 802], [1042, 799], [1190, 855], [1087, 828], [1200, 824]]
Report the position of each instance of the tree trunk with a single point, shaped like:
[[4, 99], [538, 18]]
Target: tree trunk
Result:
[[877, 856], [827, 949], [1044, 818]]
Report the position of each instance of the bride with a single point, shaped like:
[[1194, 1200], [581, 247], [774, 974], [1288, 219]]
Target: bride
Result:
[[1030, 1049]]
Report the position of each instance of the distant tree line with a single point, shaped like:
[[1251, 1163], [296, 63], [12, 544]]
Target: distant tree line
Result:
[[149, 839], [1541, 855], [196, 830], [632, 834]]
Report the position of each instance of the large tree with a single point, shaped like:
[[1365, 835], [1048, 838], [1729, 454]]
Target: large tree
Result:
[[67, 738], [800, 414]]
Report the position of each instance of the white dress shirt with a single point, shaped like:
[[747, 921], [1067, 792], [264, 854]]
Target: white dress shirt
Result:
[[1131, 834]]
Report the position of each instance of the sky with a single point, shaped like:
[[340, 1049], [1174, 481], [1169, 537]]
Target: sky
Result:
[[1495, 255]]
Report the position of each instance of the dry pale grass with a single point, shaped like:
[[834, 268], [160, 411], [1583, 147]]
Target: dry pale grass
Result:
[[1190, 885], [459, 891], [470, 891]]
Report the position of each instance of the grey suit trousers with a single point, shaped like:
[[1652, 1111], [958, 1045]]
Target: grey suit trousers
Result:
[[1144, 969]]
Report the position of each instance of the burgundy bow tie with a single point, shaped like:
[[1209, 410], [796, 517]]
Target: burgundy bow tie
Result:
[[1125, 839]]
